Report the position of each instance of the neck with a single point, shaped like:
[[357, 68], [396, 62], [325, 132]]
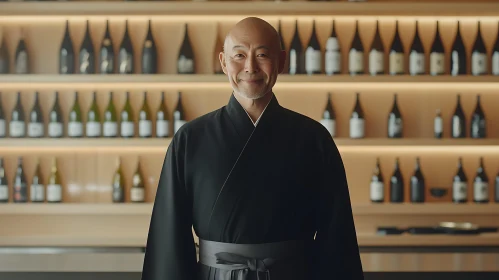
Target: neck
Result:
[[254, 107]]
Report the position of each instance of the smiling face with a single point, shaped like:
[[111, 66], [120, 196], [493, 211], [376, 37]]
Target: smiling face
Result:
[[252, 58]]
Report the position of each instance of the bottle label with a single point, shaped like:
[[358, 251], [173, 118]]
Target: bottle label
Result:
[[110, 129], [312, 60], [355, 61], [377, 191], [106, 65], [84, 61], [162, 128], [477, 128], [376, 62], [456, 126], [495, 63], [2, 128], [333, 62], [16, 128], [55, 129], [395, 126], [481, 191], [416, 63], [436, 63], [37, 192], [330, 125], [22, 63], [54, 192], [93, 129], [4, 192], [459, 191], [75, 129], [454, 63], [292, 62], [20, 191], [178, 124], [438, 125], [478, 63], [396, 63], [127, 129], [332, 44], [35, 130], [137, 194], [125, 62], [145, 128], [185, 65], [356, 128]]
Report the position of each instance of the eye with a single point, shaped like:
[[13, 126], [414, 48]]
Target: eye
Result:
[[238, 55]]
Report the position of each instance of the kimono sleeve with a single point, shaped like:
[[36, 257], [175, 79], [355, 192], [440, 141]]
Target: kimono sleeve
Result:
[[170, 251]]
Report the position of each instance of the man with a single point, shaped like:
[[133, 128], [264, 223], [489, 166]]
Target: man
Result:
[[256, 181]]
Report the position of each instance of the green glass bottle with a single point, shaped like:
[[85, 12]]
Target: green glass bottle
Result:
[[162, 119], [110, 119], [93, 126], [75, 124], [127, 127], [56, 123], [145, 121]]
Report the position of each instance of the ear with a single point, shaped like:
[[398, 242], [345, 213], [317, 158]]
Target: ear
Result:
[[221, 57], [282, 60]]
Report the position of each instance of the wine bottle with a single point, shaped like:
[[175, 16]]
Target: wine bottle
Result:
[[110, 128], [178, 114], [118, 184], [35, 121], [75, 123], [93, 127], [329, 117], [22, 58], [479, 55], [458, 123], [279, 31], [396, 56], [20, 189], [87, 54], [377, 187], [219, 47], [137, 191], [127, 126], [56, 123], [4, 56], [416, 55], [106, 56], [149, 54], [3, 131], [296, 55], [437, 56], [333, 53], [4, 183], [145, 121], [185, 61], [162, 119], [17, 127], [125, 54], [313, 55], [495, 55], [395, 122], [397, 184], [285, 69], [418, 186], [67, 54], [54, 186], [478, 122], [356, 54], [481, 185], [37, 190], [460, 184], [438, 125], [458, 54], [377, 55], [357, 121]]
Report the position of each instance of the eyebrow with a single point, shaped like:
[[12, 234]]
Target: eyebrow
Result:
[[243, 47]]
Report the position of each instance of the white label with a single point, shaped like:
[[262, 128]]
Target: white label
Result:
[[178, 124], [4, 192], [495, 63], [332, 44], [137, 194], [55, 129], [475, 127], [16, 128], [438, 125], [2, 128], [127, 129], [478, 63], [35, 129], [125, 62], [330, 125], [436, 63], [456, 126], [332, 56], [355, 61], [455, 63], [37, 192], [292, 61], [185, 65], [110, 129], [376, 62], [377, 191], [145, 128], [54, 192], [459, 191], [93, 129], [22, 63], [481, 191], [312, 60], [356, 128], [162, 128], [75, 129], [416, 63], [396, 63], [395, 126]]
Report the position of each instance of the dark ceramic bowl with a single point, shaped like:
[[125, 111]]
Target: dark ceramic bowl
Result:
[[438, 192]]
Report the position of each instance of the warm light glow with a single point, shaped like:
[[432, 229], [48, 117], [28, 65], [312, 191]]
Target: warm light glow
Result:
[[452, 149]]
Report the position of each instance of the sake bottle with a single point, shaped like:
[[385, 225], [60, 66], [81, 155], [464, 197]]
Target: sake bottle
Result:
[[54, 186], [494, 56], [75, 122], [395, 121], [149, 53], [87, 53], [106, 55], [127, 127], [56, 123], [4, 183], [66, 53], [118, 183], [35, 120], [296, 55], [377, 186], [17, 126], [396, 56], [125, 54], [20, 190], [460, 184], [481, 184], [458, 55], [397, 184], [37, 189], [418, 186], [333, 53], [178, 114], [357, 122], [110, 126], [479, 65], [416, 55], [313, 55], [185, 60], [162, 119], [137, 191], [21, 65], [437, 55], [377, 55], [458, 122], [217, 68], [356, 54], [3, 132], [438, 125], [328, 117], [145, 121], [478, 122], [93, 126], [4, 56]]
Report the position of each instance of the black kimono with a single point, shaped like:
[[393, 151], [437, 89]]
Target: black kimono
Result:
[[289, 183]]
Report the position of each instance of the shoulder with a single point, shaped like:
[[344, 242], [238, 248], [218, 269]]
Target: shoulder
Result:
[[196, 126], [305, 124]]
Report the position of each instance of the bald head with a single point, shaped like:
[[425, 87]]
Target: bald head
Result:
[[257, 28]]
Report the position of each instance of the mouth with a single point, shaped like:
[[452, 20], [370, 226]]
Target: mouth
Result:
[[253, 81]]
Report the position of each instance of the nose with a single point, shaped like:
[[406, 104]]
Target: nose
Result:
[[251, 65]]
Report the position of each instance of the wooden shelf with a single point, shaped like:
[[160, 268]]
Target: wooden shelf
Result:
[[388, 209], [215, 9], [484, 239], [76, 209]]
